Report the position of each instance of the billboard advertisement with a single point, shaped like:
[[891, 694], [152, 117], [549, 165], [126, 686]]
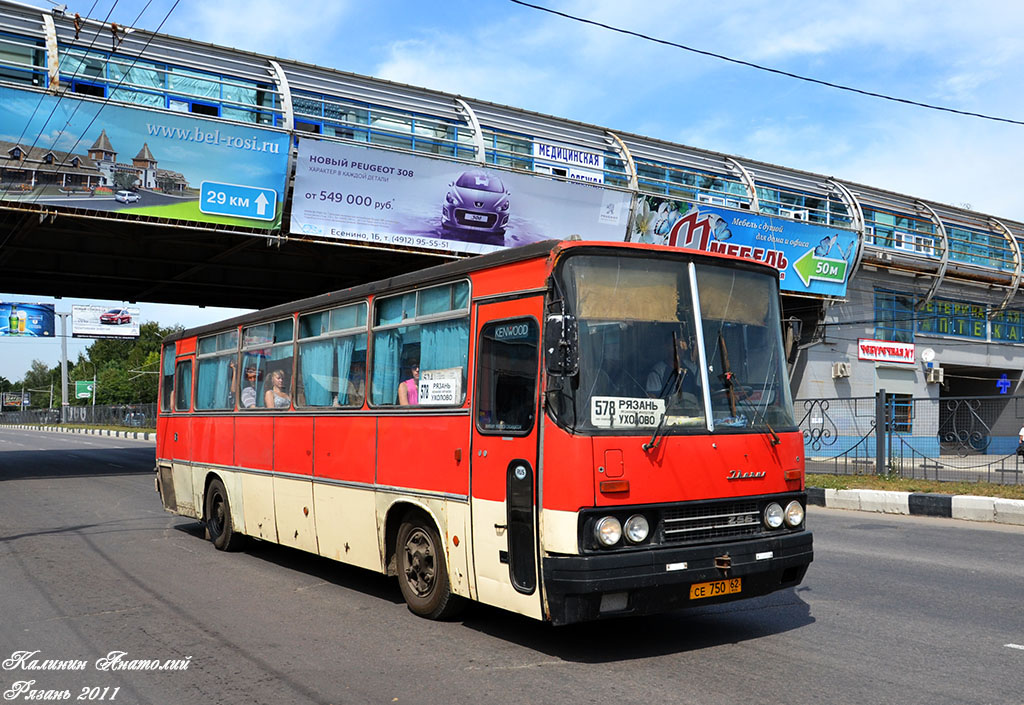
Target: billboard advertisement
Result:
[[26, 320], [105, 322], [375, 196], [101, 157], [811, 259], [17, 399]]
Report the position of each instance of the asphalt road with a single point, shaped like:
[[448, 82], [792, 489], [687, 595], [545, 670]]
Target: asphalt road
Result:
[[108, 203], [894, 610]]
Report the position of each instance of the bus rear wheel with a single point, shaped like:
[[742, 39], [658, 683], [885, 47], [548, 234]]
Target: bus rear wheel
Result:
[[423, 571], [219, 528]]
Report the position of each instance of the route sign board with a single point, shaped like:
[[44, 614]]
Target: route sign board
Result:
[[236, 200]]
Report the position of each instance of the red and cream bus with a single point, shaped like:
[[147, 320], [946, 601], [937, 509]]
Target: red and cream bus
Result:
[[586, 430]]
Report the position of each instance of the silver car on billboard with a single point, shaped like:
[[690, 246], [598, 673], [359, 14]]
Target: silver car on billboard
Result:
[[477, 202]]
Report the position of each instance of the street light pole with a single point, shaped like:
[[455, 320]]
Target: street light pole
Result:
[[64, 403]]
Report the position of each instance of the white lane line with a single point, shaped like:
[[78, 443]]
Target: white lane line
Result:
[[1019, 647]]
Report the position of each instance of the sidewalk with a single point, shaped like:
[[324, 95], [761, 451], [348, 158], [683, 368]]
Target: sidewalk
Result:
[[136, 435], [968, 507]]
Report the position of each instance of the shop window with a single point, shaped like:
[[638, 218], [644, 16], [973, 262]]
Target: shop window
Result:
[[899, 413]]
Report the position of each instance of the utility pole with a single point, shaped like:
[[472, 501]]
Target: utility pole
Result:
[[64, 403]]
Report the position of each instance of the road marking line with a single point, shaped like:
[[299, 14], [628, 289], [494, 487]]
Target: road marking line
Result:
[[1019, 647]]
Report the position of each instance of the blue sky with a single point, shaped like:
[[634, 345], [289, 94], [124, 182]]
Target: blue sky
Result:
[[965, 56]]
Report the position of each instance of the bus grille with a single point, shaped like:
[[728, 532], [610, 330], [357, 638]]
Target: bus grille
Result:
[[711, 521]]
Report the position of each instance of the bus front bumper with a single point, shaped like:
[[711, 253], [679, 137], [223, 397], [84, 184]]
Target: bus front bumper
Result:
[[596, 586]]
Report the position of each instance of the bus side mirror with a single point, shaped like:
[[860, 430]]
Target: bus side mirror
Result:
[[561, 345], [791, 329]]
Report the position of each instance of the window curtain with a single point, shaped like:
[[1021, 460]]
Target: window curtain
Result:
[[444, 345], [387, 348], [214, 385], [343, 350], [317, 365]]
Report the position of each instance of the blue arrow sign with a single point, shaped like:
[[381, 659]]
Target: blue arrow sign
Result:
[[240, 201]]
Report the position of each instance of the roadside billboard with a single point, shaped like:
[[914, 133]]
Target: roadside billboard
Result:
[[101, 157], [20, 320], [389, 198], [105, 322], [811, 259], [17, 399]]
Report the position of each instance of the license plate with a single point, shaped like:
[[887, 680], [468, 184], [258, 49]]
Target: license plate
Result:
[[716, 588], [476, 217]]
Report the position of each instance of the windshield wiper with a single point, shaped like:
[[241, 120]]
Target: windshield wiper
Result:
[[727, 375], [674, 383], [728, 380]]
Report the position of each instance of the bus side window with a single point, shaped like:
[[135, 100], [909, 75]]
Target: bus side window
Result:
[[167, 379], [183, 386]]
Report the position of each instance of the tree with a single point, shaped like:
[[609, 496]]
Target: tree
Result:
[[125, 181], [39, 376]]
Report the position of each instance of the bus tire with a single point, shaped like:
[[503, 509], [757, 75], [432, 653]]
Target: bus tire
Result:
[[423, 571], [219, 528]]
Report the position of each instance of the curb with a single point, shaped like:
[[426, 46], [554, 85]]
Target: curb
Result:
[[149, 436], [967, 507]]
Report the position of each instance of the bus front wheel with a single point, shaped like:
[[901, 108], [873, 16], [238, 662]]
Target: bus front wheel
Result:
[[219, 528], [422, 570]]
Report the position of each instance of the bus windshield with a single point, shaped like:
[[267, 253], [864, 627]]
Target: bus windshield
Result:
[[654, 354]]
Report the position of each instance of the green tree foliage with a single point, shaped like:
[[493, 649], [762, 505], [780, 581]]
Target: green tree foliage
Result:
[[125, 370]]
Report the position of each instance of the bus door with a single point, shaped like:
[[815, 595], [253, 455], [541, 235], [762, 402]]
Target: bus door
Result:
[[503, 493]]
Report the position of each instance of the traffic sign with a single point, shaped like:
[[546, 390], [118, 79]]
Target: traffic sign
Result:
[[83, 390], [236, 200], [828, 269]]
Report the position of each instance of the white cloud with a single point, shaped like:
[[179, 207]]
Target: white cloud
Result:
[[264, 26]]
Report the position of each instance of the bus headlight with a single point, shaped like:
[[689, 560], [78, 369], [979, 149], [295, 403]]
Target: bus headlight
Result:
[[637, 528], [608, 531], [773, 516], [794, 514]]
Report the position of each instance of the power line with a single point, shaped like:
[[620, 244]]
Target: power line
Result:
[[768, 69]]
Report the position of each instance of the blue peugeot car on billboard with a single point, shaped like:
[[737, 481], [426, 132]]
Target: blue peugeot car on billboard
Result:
[[477, 202]]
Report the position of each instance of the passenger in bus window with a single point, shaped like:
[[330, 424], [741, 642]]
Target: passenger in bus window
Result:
[[276, 396], [249, 390], [408, 391], [356, 391]]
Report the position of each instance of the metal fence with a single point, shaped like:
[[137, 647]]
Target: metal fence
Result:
[[966, 439], [131, 415]]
